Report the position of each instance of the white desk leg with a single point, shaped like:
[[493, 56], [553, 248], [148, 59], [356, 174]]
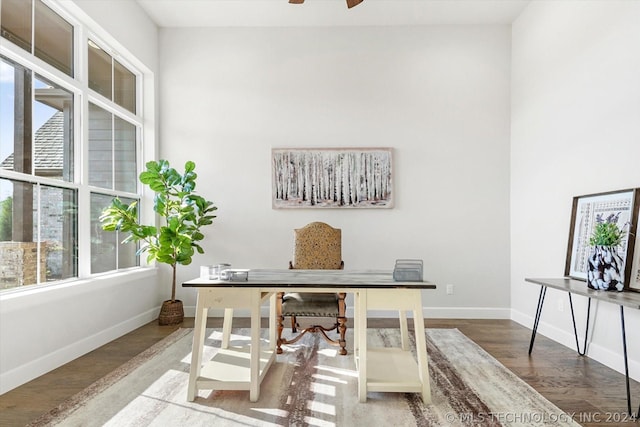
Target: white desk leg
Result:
[[197, 346], [226, 327], [272, 321], [421, 347], [404, 330], [254, 361], [356, 326], [361, 339]]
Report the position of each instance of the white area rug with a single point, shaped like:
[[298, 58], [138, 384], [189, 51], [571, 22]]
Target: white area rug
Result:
[[310, 384]]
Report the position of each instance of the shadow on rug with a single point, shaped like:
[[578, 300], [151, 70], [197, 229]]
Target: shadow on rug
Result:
[[310, 384]]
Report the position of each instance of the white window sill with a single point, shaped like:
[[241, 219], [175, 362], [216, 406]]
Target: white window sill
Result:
[[51, 291]]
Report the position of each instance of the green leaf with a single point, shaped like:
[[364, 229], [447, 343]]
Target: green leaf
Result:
[[149, 230], [163, 165], [157, 186], [153, 166], [159, 203], [189, 186]]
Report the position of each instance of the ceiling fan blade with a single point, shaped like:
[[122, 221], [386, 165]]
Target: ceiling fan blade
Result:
[[296, 1], [351, 3]]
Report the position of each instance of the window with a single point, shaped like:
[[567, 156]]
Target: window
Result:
[[100, 70], [107, 251], [36, 28], [112, 151], [42, 225], [110, 78], [53, 38], [38, 233], [37, 135], [16, 22]]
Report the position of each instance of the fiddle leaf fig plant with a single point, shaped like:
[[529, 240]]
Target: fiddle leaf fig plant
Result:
[[183, 214]]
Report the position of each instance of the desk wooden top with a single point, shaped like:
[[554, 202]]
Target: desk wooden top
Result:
[[579, 287], [342, 279]]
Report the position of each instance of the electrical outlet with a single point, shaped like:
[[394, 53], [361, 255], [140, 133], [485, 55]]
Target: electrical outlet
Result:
[[449, 289]]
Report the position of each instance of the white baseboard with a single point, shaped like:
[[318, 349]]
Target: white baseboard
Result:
[[35, 368], [609, 358]]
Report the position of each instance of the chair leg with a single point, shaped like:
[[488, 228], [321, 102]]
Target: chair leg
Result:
[[342, 327], [342, 321], [280, 340], [280, 319], [294, 324]]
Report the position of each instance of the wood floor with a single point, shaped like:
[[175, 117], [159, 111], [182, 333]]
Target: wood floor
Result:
[[577, 385]]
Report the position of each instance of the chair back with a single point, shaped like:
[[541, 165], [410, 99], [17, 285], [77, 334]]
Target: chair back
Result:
[[317, 246]]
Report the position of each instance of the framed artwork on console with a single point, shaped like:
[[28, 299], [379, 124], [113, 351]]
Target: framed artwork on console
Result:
[[332, 178], [620, 207]]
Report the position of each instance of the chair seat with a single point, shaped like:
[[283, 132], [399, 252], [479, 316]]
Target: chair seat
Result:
[[310, 304]]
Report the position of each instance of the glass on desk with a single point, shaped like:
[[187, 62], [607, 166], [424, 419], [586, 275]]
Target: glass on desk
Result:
[[206, 271], [213, 272], [218, 269]]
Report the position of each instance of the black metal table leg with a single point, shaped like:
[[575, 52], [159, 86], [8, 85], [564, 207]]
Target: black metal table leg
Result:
[[626, 365], [575, 330], [534, 331]]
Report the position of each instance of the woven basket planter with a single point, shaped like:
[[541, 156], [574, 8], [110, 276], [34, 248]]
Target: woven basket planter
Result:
[[171, 313]]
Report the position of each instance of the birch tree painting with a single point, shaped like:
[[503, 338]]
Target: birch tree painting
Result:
[[332, 178]]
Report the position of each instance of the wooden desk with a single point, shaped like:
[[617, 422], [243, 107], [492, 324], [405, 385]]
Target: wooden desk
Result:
[[390, 370], [579, 287]]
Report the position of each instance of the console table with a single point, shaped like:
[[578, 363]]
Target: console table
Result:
[[579, 287], [242, 368]]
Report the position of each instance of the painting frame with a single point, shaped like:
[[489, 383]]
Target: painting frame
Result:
[[585, 208], [634, 279], [325, 178]]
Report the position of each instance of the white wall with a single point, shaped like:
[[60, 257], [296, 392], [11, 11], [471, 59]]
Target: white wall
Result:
[[575, 130], [438, 95], [41, 329]]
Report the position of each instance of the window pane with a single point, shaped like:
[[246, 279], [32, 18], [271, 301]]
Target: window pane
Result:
[[125, 156], [16, 22], [99, 70], [100, 147], [18, 250], [16, 131], [124, 90], [103, 243], [35, 136], [7, 117], [127, 252], [107, 253], [59, 232], [53, 133], [6, 211], [53, 39], [38, 233]]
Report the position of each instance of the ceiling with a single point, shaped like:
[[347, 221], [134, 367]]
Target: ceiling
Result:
[[279, 13]]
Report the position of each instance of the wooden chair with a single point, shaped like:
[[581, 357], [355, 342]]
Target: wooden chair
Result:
[[317, 246]]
